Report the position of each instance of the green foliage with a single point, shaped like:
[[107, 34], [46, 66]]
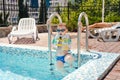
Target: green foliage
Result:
[[58, 9], [112, 17], [42, 12], [93, 8], [55, 20], [6, 18], [72, 23], [26, 11], [3, 21], [23, 10]]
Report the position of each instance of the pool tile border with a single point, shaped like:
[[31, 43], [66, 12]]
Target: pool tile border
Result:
[[94, 69]]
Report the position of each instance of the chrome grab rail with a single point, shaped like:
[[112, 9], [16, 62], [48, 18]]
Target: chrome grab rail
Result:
[[79, 34], [49, 33], [78, 38]]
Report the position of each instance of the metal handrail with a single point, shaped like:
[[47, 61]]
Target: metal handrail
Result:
[[79, 34], [49, 33]]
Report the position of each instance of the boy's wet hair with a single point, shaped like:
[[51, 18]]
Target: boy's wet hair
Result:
[[62, 24]]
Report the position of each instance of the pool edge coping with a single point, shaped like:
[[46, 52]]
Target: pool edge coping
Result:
[[106, 72]]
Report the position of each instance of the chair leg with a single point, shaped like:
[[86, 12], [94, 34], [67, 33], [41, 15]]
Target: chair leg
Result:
[[110, 37], [96, 35], [9, 38], [33, 38], [18, 38], [37, 38]]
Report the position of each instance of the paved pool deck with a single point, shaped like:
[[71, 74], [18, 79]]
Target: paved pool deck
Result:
[[112, 47]]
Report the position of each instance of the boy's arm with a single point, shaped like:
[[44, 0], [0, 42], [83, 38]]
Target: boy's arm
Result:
[[54, 42], [66, 30], [69, 42]]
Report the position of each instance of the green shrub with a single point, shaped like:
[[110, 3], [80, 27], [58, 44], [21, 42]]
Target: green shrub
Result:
[[4, 22], [93, 8], [112, 17]]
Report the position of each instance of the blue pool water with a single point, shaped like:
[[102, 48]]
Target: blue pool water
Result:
[[31, 64]]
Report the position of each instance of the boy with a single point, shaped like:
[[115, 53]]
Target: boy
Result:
[[61, 43]]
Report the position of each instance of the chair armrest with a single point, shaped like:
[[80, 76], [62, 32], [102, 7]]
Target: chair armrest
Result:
[[14, 28], [35, 29]]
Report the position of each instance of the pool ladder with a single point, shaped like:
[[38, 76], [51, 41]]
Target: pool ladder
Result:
[[78, 35], [49, 34]]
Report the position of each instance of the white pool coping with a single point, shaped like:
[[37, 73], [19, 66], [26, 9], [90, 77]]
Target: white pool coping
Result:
[[94, 69]]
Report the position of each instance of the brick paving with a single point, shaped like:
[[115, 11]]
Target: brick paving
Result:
[[113, 47]]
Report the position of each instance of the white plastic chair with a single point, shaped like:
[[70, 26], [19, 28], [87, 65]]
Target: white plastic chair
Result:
[[26, 26], [111, 34]]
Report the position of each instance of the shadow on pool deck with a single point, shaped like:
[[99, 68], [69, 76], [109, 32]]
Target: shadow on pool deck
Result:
[[113, 47], [24, 41]]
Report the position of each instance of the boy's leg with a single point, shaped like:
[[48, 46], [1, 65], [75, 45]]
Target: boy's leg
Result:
[[60, 65], [69, 59]]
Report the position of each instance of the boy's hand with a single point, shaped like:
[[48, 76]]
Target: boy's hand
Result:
[[65, 47]]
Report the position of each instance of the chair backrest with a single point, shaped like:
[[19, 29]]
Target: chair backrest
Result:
[[116, 26], [26, 24]]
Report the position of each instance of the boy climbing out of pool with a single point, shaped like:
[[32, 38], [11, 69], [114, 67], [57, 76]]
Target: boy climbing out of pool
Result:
[[61, 43]]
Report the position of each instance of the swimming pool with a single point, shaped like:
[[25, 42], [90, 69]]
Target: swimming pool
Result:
[[17, 63], [31, 63]]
